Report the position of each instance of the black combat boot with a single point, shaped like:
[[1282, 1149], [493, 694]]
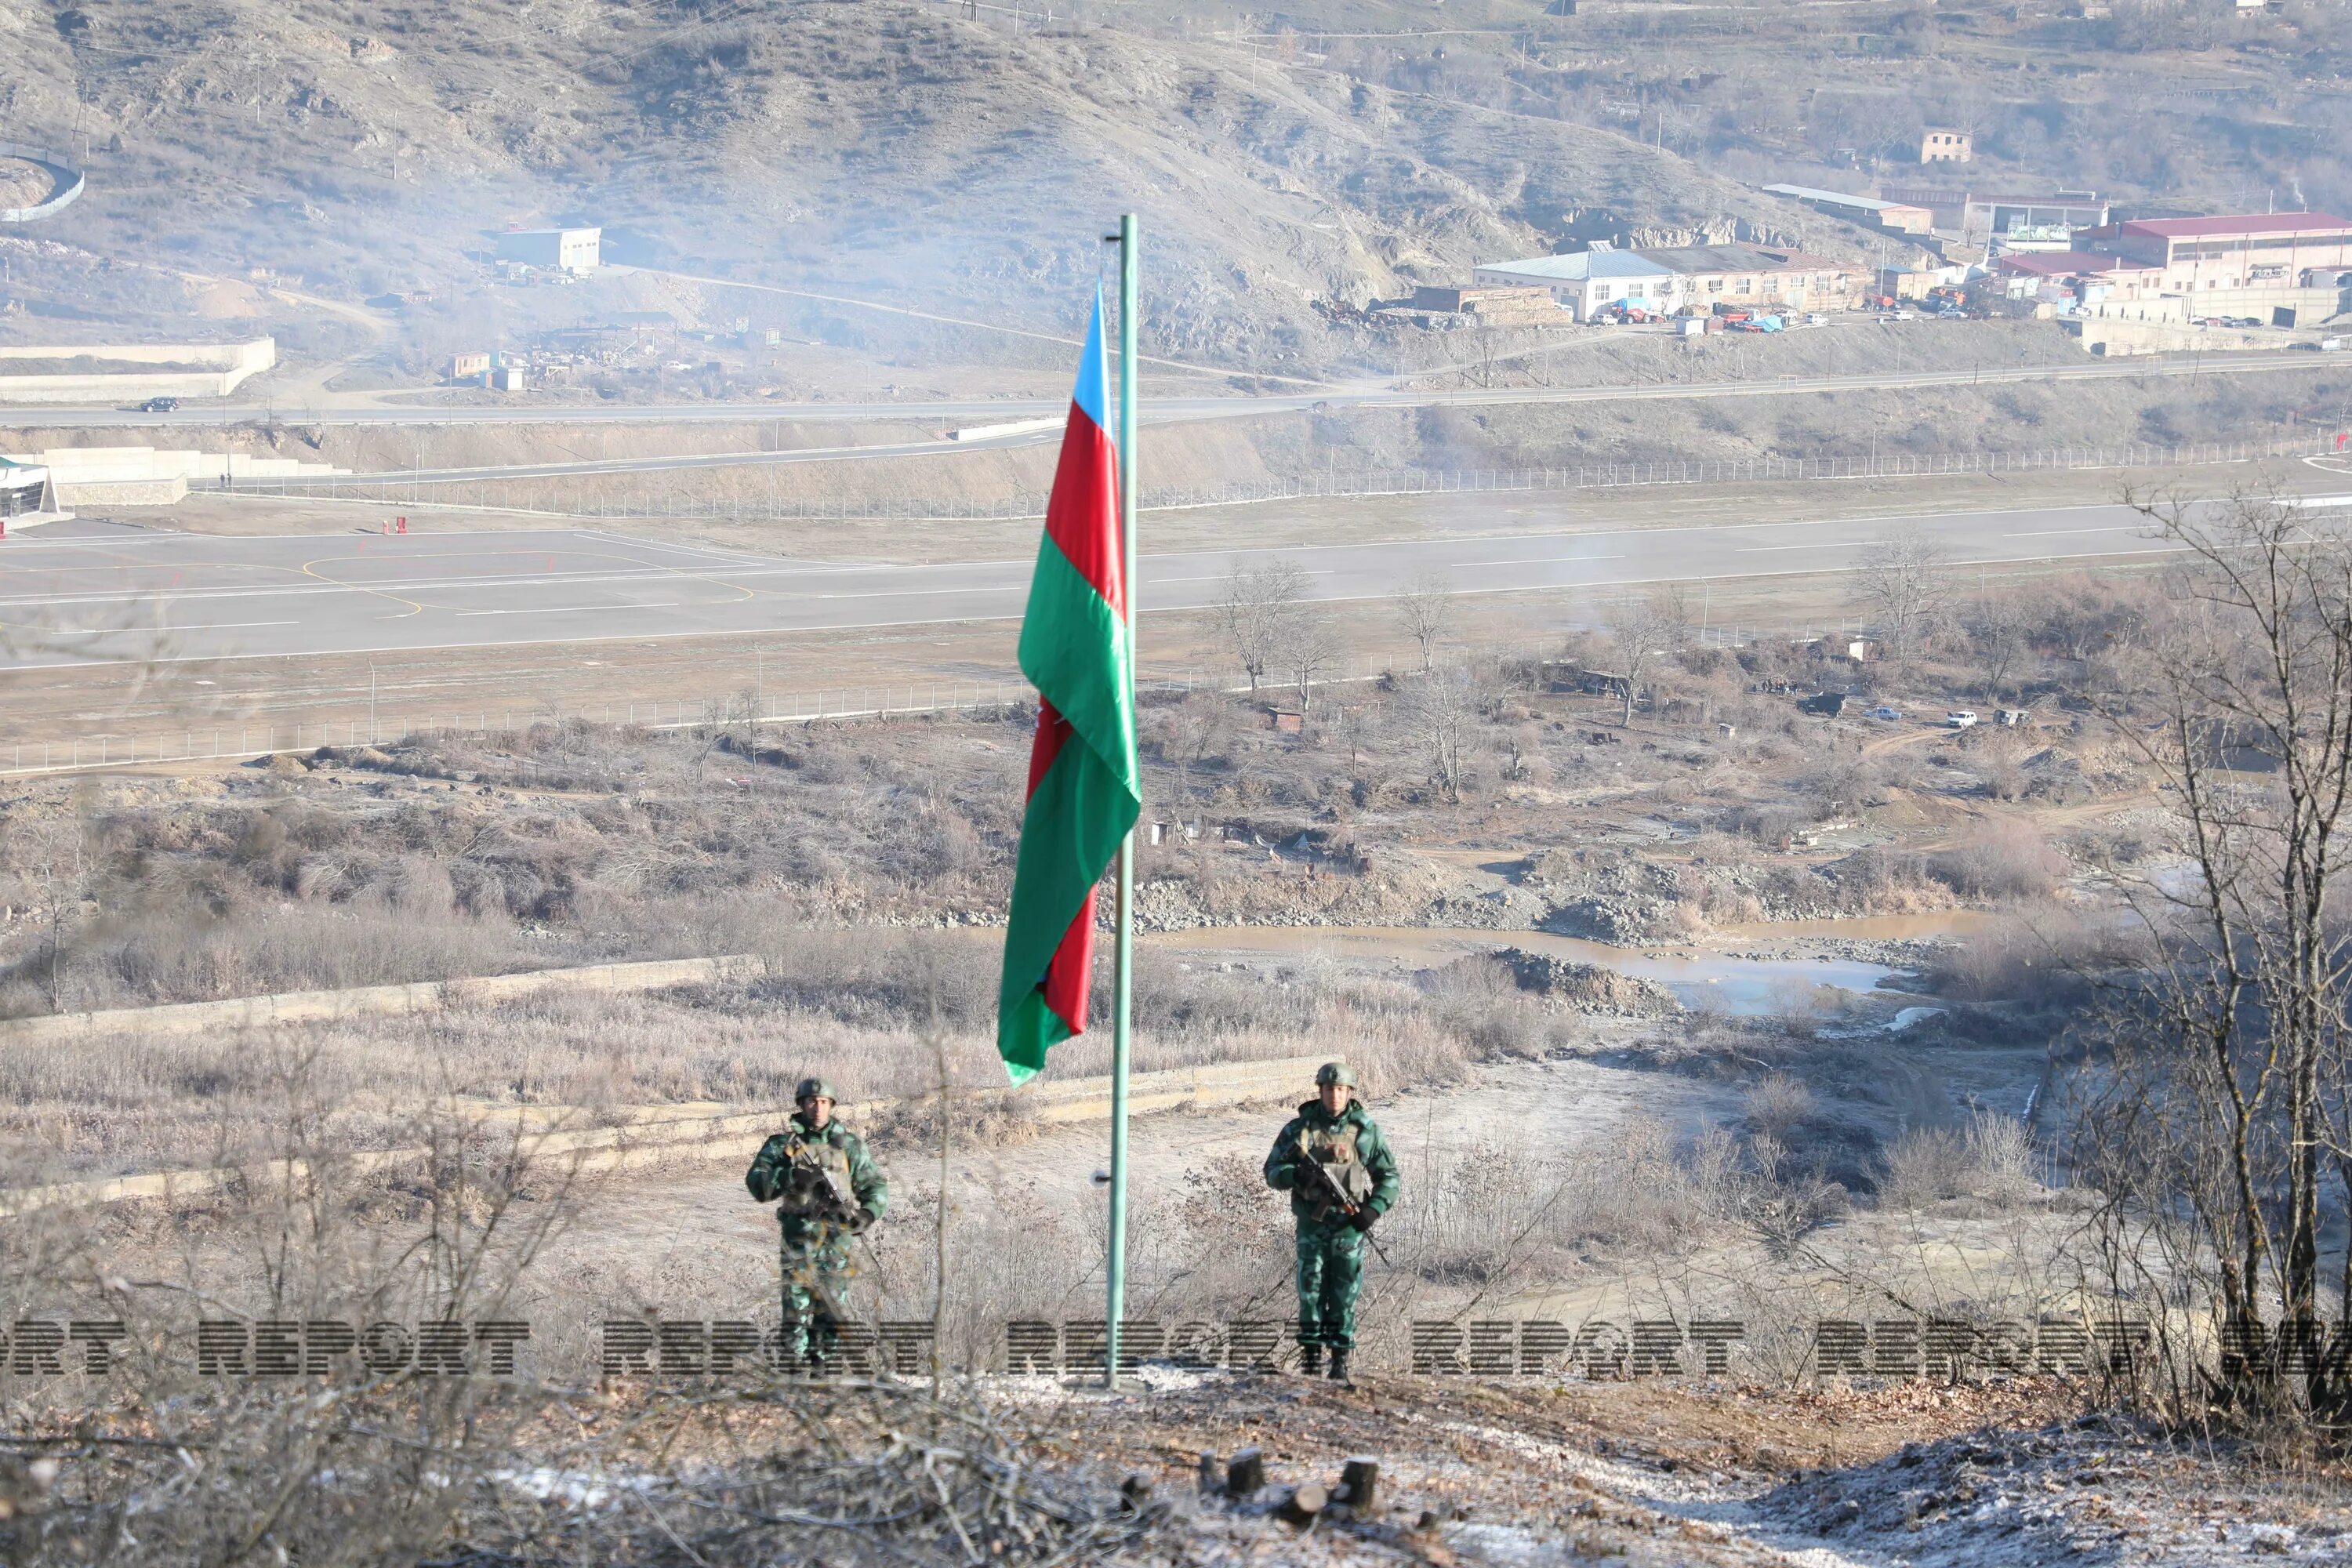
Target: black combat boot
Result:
[[1310, 1360], [1340, 1365]]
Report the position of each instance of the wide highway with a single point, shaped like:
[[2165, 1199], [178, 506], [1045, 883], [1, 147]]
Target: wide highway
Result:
[[173, 596]]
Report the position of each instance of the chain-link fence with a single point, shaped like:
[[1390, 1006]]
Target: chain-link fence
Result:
[[746, 491]]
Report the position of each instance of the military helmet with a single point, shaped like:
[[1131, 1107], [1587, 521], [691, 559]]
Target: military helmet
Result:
[[1330, 1073], [815, 1089]]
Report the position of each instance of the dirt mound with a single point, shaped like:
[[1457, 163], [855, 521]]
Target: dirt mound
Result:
[[23, 184], [1586, 987]]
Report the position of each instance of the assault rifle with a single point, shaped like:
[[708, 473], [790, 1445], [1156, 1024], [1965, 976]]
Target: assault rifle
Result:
[[809, 1176], [1322, 1184]]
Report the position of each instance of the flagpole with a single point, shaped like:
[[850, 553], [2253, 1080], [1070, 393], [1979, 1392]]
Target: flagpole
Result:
[[1123, 985]]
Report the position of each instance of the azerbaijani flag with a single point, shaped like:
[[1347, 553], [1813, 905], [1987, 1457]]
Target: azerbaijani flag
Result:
[[1084, 789]]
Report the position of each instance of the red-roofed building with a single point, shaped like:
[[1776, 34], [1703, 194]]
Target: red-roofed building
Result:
[[2269, 250]]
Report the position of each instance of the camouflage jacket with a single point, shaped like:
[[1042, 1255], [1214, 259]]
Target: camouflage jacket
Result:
[[798, 1193], [1350, 1144]]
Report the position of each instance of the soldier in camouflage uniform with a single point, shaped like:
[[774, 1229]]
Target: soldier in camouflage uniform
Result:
[[826, 1188], [1334, 1217]]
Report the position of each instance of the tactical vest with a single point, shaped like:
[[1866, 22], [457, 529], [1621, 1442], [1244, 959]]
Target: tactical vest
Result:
[[801, 1194], [1334, 1148]]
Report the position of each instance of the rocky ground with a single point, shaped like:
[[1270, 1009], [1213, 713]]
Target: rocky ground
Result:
[[1897, 1474]]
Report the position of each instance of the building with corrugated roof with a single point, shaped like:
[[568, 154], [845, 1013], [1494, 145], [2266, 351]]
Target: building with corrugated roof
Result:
[[1586, 282], [1759, 276], [1896, 216], [2273, 251]]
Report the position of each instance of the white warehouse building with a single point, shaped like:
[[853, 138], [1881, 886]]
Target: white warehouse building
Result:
[[1586, 281], [571, 249]]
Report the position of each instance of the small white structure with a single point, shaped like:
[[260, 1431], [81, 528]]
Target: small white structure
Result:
[[566, 250], [28, 495]]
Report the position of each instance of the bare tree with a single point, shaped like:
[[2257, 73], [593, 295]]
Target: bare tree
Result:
[[1195, 728], [1900, 581], [1997, 634], [1639, 634], [1256, 603], [2222, 1109], [1424, 606], [1437, 709], [1306, 648]]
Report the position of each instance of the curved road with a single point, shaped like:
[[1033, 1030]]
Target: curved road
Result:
[[174, 596]]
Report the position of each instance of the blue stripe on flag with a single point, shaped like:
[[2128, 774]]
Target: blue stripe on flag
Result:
[[1093, 380]]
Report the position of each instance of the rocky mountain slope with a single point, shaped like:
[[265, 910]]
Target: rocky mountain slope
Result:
[[886, 143]]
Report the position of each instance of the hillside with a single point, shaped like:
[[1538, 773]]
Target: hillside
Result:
[[882, 144]]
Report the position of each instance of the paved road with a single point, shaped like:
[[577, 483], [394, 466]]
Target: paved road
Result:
[[173, 596], [1157, 409]]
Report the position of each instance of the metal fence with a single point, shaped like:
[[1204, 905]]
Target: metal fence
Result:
[[697, 494]]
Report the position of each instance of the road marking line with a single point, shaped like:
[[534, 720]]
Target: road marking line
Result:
[[564, 609], [2061, 533], [1832, 544], [1536, 561]]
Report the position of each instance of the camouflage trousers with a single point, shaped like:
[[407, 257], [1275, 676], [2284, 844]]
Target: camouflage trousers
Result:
[[816, 1287], [1330, 1273]]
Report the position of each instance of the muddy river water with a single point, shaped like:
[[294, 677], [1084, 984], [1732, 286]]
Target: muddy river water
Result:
[[1703, 978]]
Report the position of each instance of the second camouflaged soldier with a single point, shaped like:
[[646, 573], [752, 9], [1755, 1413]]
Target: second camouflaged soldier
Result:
[[826, 1188], [1332, 1161]]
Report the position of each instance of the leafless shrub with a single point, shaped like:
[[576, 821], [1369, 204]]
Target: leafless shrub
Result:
[[1777, 1104]]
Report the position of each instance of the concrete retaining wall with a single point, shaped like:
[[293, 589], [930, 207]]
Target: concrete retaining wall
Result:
[[653, 1135], [145, 476], [227, 366], [67, 189], [376, 1001]]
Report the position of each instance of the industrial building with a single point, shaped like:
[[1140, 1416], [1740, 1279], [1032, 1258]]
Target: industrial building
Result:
[[1895, 216], [1753, 275], [1669, 280], [565, 249], [1586, 281], [2283, 270], [2009, 220], [2201, 254]]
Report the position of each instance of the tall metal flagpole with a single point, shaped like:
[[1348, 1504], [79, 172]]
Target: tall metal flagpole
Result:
[[1114, 1267]]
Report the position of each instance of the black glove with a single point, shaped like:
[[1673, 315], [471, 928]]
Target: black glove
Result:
[[860, 1219], [1362, 1220]]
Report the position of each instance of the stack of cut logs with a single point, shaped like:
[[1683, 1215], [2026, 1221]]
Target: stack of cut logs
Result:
[[1243, 1479]]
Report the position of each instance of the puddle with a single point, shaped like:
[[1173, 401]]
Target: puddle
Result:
[[1714, 982]]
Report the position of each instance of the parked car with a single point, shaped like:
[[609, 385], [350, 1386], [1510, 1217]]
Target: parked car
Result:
[[159, 406], [1883, 712], [1960, 718]]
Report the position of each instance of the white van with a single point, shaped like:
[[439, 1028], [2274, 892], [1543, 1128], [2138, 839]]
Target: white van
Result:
[[1960, 718]]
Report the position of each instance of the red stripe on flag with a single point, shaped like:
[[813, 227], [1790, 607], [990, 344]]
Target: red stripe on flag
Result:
[[1082, 511], [1071, 974], [1053, 730]]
